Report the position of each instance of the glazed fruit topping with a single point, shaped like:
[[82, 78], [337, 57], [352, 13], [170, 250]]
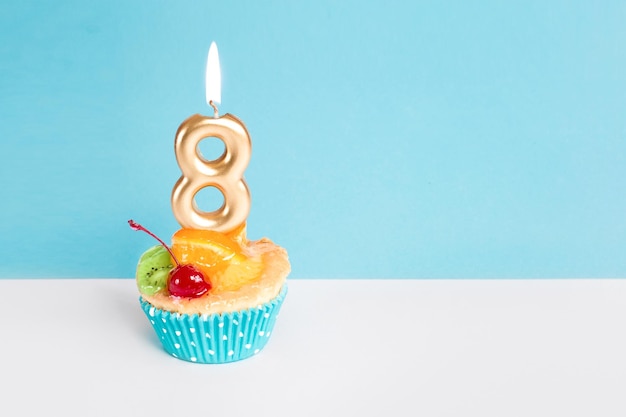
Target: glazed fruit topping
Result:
[[221, 256], [184, 280]]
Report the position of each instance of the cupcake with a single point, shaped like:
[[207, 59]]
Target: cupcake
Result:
[[212, 297]]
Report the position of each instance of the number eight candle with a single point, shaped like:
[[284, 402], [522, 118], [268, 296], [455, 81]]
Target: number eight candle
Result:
[[224, 173]]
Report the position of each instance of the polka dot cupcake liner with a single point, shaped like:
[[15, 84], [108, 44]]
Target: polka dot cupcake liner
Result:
[[215, 338]]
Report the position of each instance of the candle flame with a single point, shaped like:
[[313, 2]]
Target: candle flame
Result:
[[213, 76]]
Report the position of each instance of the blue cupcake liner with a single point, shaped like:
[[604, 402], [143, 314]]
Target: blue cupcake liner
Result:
[[215, 338]]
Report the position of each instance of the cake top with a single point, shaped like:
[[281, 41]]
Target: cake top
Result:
[[208, 272]]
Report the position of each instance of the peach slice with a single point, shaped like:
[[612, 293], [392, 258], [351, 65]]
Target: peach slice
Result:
[[221, 257]]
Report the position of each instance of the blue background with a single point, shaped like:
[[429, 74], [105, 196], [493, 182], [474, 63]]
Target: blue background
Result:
[[390, 139]]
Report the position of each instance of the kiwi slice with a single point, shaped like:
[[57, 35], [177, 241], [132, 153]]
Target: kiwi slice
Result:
[[153, 270]]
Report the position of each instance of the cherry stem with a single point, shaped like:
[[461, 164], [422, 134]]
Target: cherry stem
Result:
[[137, 226]]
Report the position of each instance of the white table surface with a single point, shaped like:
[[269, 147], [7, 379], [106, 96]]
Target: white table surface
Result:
[[340, 347]]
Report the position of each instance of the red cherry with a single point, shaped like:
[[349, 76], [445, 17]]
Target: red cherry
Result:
[[187, 281], [184, 280]]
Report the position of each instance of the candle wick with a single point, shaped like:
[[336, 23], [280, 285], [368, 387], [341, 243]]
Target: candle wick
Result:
[[215, 113]]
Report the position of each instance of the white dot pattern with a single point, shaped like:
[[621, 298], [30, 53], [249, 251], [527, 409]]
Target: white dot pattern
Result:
[[215, 338]]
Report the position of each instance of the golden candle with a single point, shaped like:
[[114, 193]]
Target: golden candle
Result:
[[224, 173]]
